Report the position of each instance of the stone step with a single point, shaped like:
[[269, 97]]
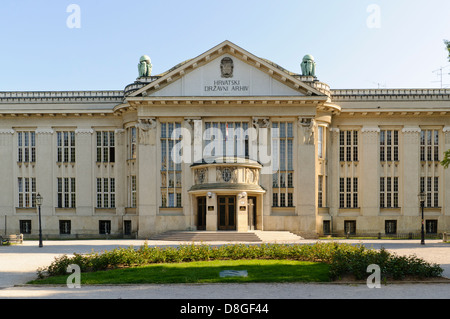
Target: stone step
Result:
[[277, 236], [227, 236]]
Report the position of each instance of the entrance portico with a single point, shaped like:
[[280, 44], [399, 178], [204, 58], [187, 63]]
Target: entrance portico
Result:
[[226, 196]]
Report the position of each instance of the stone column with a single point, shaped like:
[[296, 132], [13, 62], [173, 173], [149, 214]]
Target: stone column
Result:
[[148, 176], [242, 213], [191, 138], [84, 172], [369, 179], [411, 172], [305, 172], [333, 176], [120, 169], [211, 215]]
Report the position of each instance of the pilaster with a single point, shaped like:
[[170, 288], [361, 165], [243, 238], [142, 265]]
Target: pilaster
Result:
[[369, 181], [148, 175], [84, 171], [411, 169], [8, 158]]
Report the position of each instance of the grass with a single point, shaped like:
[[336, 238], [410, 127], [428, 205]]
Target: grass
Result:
[[204, 272]]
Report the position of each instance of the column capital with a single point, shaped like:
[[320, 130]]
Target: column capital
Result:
[[44, 131], [84, 131], [411, 130]]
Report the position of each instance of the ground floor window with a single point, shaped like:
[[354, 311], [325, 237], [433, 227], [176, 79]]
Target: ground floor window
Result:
[[104, 227], [25, 226], [327, 227], [431, 226], [127, 227], [350, 227], [64, 227], [390, 226]]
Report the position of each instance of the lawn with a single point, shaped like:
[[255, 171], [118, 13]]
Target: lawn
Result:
[[205, 272]]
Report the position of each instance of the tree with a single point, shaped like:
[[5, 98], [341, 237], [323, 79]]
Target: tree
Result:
[[447, 43], [446, 161]]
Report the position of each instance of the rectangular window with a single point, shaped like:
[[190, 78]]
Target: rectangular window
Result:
[[26, 147], [389, 192], [348, 192], [350, 227], [170, 167], [320, 141], [26, 192], [226, 139], [25, 226], [132, 191], [390, 227], [106, 193], [389, 146], [132, 143], [106, 147], [66, 192], [104, 227], [430, 187], [431, 226], [326, 227], [65, 142], [348, 146], [127, 227], [429, 145], [65, 227], [283, 158], [320, 191]]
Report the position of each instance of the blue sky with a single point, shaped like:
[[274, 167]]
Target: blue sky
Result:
[[39, 52]]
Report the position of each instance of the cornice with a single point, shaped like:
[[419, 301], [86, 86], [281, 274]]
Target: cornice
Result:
[[65, 97], [369, 95]]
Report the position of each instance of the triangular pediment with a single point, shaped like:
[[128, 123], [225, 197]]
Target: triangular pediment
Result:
[[226, 70]]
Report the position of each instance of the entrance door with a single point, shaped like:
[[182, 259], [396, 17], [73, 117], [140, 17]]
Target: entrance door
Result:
[[201, 213], [251, 209], [227, 212]]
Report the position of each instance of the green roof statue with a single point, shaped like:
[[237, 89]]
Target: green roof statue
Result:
[[308, 66], [145, 66]]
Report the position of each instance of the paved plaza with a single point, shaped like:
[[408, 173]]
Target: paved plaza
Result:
[[18, 265]]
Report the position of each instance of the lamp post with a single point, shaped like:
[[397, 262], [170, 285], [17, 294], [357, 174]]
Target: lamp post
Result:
[[422, 205], [39, 203]]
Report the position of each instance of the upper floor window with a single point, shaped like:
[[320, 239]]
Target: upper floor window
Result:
[[65, 146], [26, 147], [132, 143], [27, 192], [389, 145], [226, 139], [348, 146], [105, 147], [429, 145]]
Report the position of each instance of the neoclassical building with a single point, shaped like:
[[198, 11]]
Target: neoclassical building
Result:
[[226, 141]]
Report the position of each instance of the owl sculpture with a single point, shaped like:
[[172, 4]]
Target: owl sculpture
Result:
[[145, 66], [308, 66]]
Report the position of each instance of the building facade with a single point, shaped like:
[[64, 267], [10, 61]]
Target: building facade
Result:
[[224, 141]]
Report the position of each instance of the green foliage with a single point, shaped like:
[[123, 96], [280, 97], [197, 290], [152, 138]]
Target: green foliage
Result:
[[342, 258], [446, 161]]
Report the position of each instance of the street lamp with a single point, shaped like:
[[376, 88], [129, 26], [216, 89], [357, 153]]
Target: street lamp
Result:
[[39, 200], [422, 205]]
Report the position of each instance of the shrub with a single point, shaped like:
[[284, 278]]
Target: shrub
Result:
[[342, 258]]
